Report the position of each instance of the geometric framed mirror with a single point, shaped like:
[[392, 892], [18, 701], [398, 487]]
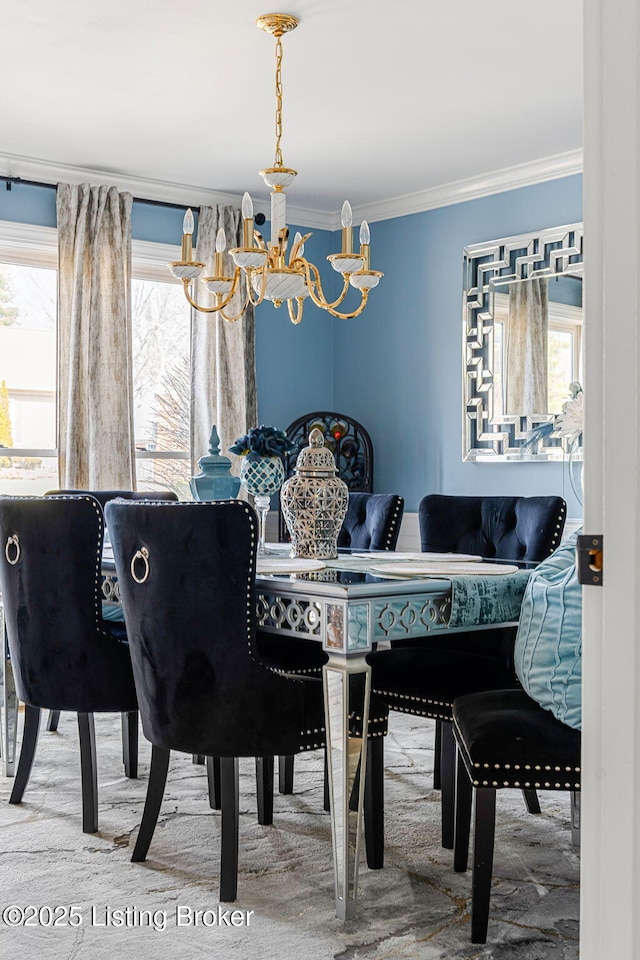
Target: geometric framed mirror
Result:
[[522, 341]]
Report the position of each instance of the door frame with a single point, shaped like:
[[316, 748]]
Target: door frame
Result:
[[610, 858]]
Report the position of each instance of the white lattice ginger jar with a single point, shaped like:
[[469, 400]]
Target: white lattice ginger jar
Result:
[[314, 502]]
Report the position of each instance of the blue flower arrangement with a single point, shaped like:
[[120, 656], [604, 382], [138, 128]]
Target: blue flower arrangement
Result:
[[262, 442]]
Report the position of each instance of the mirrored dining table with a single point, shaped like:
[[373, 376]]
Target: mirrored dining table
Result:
[[350, 606]]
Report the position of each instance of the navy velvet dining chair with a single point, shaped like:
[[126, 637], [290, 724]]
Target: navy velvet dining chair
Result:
[[187, 581], [64, 655], [129, 723], [372, 521], [504, 739], [425, 676]]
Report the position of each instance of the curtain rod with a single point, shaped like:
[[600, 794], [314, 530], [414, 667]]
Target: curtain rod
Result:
[[9, 181]]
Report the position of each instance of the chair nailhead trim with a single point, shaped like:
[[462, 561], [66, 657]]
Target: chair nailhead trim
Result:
[[508, 766], [409, 696], [559, 526], [300, 671], [526, 783], [394, 522], [432, 713]]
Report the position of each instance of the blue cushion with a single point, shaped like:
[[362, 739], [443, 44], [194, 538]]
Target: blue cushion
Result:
[[112, 611], [548, 649]]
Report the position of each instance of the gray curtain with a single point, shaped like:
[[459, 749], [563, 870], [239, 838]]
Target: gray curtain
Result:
[[95, 390], [526, 366], [223, 375]]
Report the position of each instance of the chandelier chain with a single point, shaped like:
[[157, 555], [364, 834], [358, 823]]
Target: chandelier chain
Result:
[[278, 158]]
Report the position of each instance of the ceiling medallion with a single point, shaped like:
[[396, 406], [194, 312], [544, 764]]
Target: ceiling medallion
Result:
[[274, 270]]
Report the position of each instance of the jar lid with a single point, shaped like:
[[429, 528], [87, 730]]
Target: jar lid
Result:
[[316, 460], [215, 462]]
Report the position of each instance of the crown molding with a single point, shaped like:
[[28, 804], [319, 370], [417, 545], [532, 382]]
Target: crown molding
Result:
[[44, 171], [458, 191], [473, 188]]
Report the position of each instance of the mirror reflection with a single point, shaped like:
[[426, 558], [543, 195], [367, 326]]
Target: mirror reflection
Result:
[[537, 343]]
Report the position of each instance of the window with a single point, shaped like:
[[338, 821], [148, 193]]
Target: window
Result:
[[161, 327], [564, 346], [28, 281], [161, 333]]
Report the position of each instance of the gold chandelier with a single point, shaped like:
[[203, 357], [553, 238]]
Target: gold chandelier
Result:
[[269, 273]]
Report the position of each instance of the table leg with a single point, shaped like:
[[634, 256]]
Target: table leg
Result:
[[347, 684], [575, 818], [9, 711]]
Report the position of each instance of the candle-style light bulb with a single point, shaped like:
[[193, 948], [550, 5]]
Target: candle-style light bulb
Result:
[[187, 232], [346, 218], [247, 220], [365, 238], [221, 244], [247, 206], [188, 222]]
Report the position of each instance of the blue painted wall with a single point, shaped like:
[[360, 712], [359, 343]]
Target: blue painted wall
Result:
[[294, 364], [397, 368], [26, 204], [158, 224]]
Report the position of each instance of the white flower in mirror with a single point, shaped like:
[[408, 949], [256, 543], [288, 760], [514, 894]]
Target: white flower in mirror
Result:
[[570, 422]]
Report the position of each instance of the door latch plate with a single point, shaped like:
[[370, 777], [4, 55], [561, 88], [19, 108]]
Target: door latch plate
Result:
[[590, 560]]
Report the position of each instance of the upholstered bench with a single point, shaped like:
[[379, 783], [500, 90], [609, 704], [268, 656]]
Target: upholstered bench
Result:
[[504, 739]]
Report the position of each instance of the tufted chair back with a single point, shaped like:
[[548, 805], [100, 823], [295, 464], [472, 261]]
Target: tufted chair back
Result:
[[372, 521], [186, 573], [63, 654], [509, 528]]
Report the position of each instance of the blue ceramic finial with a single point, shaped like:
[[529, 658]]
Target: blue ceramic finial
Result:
[[215, 481], [214, 444]]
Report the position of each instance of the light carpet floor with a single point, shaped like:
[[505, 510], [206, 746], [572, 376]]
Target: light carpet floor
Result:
[[417, 907]]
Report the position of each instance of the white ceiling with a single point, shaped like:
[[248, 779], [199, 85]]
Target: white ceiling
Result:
[[381, 99]]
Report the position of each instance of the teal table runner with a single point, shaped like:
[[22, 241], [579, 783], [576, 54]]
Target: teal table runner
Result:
[[476, 601]]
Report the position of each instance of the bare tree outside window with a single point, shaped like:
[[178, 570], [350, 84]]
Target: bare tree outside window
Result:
[[161, 376], [28, 297]]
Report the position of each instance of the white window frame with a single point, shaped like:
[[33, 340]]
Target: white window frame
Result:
[[29, 245]]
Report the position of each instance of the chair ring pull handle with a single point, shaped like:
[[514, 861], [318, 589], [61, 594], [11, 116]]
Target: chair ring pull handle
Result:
[[143, 555], [15, 543]]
